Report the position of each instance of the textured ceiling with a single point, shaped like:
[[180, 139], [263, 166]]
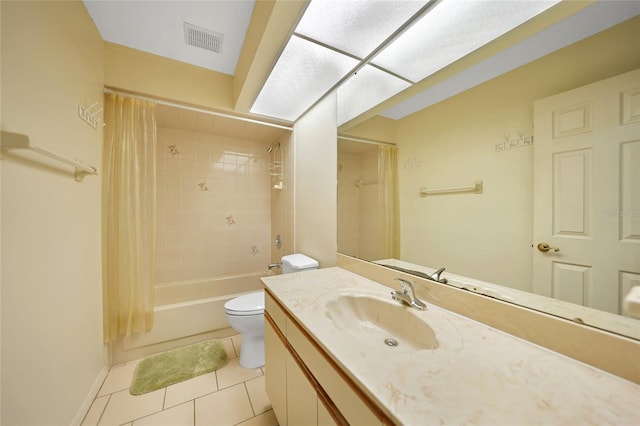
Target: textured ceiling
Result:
[[158, 27]]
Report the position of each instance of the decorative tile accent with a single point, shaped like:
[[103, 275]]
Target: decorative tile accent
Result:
[[199, 193], [173, 150], [254, 250]]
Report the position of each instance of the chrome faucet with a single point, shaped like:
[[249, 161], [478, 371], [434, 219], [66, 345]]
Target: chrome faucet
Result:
[[436, 276], [408, 295]]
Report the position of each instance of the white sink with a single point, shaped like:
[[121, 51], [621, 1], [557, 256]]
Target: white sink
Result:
[[378, 321]]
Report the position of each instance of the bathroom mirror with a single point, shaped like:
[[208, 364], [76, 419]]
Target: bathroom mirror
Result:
[[484, 133]]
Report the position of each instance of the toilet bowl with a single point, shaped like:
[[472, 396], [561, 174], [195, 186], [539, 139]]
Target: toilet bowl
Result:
[[245, 313]]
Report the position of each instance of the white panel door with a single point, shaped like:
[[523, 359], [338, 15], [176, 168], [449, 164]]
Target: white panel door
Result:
[[587, 193]]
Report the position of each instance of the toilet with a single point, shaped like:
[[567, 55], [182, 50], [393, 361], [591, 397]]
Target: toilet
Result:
[[245, 313]]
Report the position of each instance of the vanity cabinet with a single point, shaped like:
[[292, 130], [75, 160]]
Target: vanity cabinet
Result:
[[302, 384]]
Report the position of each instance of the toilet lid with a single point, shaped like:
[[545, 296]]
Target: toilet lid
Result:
[[247, 304]]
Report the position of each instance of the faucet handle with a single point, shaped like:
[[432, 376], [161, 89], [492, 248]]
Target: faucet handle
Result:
[[436, 276], [406, 284]]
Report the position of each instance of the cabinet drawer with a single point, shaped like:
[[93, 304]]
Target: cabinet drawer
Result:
[[275, 312], [350, 405]]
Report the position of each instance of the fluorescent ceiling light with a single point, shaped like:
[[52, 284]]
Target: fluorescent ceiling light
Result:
[[356, 27], [366, 89], [451, 30], [405, 41], [303, 74]]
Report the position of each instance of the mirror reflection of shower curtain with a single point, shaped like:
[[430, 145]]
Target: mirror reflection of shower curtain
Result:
[[388, 201]]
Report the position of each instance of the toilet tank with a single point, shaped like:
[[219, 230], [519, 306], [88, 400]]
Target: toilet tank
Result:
[[297, 262]]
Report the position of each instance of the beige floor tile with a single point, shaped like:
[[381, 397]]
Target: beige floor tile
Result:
[[258, 395], [119, 378], [237, 343], [226, 407], [264, 419], [93, 415], [124, 407], [190, 389], [180, 415], [233, 373], [228, 348]]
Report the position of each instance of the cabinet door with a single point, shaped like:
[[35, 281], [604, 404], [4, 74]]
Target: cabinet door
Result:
[[302, 400], [276, 372], [324, 417]]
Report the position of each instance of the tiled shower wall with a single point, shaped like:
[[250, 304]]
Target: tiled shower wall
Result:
[[282, 205], [213, 206]]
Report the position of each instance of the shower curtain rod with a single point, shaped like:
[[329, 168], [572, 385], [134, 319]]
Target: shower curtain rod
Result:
[[369, 141], [194, 109]]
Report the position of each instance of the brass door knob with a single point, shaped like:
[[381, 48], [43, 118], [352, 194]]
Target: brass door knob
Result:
[[544, 247]]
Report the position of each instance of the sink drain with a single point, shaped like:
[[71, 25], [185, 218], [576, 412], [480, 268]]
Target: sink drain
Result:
[[391, 342]]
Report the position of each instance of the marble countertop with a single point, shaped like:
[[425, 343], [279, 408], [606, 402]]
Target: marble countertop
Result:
[[476, 375]]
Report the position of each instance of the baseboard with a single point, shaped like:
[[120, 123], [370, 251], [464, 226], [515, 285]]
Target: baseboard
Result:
[[88, 400]]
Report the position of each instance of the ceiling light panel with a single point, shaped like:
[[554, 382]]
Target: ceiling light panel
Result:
[[451, 30], [366, 89], [303, 74], [356, 26]]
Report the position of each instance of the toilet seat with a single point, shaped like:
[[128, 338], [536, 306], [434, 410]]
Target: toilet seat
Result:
[[245, 305]]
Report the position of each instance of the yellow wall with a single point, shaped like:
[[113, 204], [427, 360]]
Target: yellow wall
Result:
[[488, 236], [378, 128], [315, 159], [141, 72], [52, 351]]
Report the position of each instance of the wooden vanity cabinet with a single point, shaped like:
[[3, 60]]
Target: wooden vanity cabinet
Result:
[[302, 384]]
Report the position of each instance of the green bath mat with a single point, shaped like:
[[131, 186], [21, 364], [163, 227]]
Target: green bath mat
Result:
[[177, 365]]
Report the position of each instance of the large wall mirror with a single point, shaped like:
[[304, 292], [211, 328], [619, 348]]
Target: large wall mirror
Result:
[[491, 233]]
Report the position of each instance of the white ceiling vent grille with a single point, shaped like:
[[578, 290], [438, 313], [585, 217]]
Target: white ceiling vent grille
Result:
[[203, 38]]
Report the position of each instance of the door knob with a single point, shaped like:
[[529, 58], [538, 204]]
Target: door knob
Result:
[[544, 247]]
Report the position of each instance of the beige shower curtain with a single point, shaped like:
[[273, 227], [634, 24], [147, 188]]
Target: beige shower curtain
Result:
[[129, 218], [388, 201]]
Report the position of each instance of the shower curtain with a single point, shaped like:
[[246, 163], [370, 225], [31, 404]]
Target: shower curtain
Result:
[[128, 217], [388, 201]]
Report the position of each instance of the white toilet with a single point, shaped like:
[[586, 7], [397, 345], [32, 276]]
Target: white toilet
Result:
[[245, 313]]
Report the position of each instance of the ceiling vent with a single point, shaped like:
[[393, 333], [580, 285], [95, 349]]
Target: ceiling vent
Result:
[[203, 38]]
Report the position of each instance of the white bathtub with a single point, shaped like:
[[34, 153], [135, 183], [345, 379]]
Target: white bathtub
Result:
[[187, 312]]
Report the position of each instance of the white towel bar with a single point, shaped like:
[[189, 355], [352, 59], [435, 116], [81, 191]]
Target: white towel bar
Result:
[[12, 140], [476, 188], [359, 183]]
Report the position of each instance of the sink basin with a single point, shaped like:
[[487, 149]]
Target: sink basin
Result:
[[377, 320]]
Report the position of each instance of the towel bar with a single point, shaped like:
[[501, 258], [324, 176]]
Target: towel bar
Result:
[[12, 140], [476, 188]]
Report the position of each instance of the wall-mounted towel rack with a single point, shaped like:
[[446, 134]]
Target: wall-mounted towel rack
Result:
[[476, 188], [12, 140], [359, 183]]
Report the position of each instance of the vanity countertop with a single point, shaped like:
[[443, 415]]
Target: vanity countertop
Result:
[[477, 375]]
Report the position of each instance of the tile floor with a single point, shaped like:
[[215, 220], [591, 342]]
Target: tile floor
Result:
[[230, 396]]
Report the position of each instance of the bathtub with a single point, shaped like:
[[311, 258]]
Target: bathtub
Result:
[[187, 312]]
